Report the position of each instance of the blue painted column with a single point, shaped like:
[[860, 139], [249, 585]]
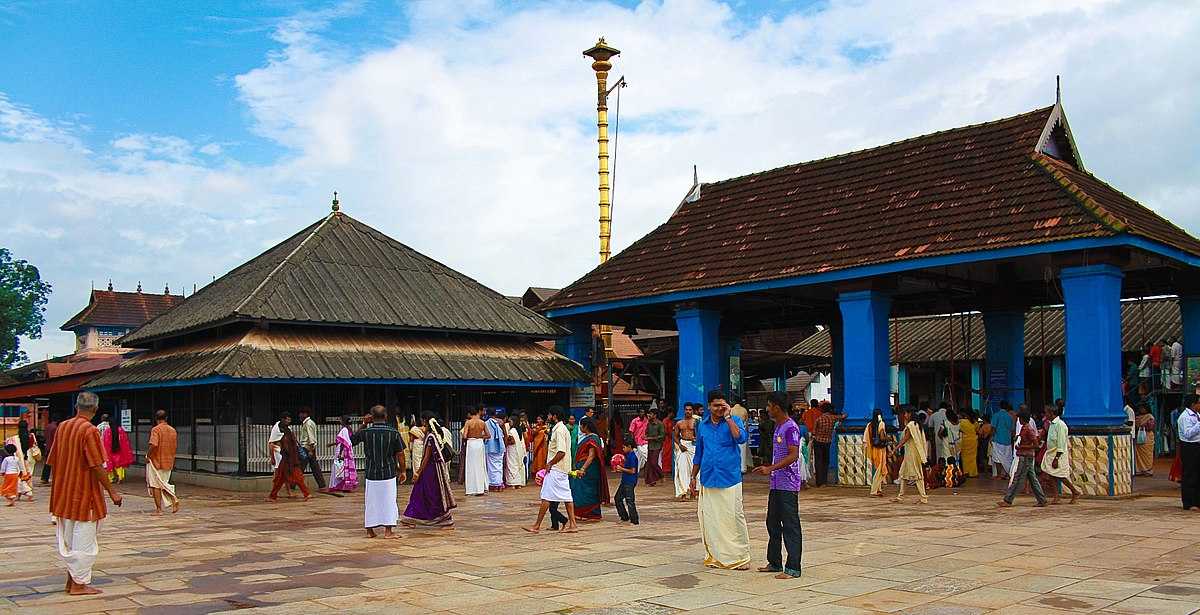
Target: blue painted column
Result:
[[867, 375], [1005, 354], [1056, 378], [1093, 313], [699, 355], [577, 347], [837, 384], [976, 385], [1189, 309], [902, 384]]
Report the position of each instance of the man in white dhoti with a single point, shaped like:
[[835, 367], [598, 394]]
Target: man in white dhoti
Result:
[[1057, 460], [685, 448], [717, 475], [160, 461], [1002, 441], [76, 504], [475, 474], [495, 451], [556, 485], [384, 452], [514, 456]]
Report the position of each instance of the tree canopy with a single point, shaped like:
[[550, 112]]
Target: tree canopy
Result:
[[23, 297]]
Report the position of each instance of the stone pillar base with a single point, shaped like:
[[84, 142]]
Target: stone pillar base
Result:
[[1102, 463], [853, 469]]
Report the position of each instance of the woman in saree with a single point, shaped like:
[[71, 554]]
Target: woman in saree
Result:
[[288, 471], [1143, 429], [344, 477], [416, 446], [914, 448], [538, 446], [968, 443], [118, 455], [431, 500], [589, 483], [875, 442], [514, 456]]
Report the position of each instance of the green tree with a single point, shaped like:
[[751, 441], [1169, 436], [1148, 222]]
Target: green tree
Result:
[[23, 297]]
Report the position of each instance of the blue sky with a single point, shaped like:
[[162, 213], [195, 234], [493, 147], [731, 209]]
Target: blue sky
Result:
[[167, 142]]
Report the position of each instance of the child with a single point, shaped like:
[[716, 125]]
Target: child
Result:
[[10, 468], [626, 505]]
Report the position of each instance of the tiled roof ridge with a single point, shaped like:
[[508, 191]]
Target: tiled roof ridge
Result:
[[286, 260], [82, 317], [882, 146], [1101, 213]]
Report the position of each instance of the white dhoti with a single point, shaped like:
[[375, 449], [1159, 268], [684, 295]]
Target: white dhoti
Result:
[[161, 479], [683, 467], [556, 487], [380, 504], [1003, 455], [723, 527], [475, 475], [643, 453], [77, 547], [495, 470], [1064, 465]]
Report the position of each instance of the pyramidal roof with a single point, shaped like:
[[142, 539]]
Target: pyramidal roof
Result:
[[339, 271]]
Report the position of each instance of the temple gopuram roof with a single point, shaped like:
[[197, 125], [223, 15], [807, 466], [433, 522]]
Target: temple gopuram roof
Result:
[[122, 309], [1007, 183], [346, 355], [938, 339], [339, 271]]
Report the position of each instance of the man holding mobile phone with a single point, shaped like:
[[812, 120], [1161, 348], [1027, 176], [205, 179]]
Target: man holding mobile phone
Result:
[[717, 477]]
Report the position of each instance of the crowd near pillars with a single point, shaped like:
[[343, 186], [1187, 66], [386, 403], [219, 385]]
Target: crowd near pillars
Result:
[[700, 364], [866, 376], [1005, 331], [1093, 314]]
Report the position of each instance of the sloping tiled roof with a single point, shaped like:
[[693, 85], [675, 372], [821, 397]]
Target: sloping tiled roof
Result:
[[938, 338], [122, 309], [967, 189], [341, 271], [310, 353]]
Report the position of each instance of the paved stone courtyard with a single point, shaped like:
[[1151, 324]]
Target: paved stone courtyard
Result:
[[957, 555]]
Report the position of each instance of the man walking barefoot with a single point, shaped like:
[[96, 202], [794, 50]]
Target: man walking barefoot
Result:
[[384, 452], [717, 476], [783, 506], [556, 486], [75, 500], [160, 460]]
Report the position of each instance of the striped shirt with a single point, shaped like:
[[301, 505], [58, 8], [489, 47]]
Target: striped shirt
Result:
[[381, 442], [76, 493]]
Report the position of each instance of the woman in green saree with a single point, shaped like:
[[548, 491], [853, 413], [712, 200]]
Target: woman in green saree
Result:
[[589, 481]]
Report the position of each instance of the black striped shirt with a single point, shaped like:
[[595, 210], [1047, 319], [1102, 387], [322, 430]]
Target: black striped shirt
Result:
[[381, 442]]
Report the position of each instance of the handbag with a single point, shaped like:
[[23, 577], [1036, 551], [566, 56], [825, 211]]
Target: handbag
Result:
[[1141, 436], [448, 453], [877, 441]]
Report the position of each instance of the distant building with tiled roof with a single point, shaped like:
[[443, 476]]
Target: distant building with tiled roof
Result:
[[111, 314]]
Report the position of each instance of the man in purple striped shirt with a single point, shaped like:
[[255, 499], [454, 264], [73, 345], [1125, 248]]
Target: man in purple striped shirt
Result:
[[783, 506]]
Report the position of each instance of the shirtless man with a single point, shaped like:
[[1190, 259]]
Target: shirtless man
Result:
[[684, 437], [475, 431]]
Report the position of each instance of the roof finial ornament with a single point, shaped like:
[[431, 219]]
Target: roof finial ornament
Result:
[[1058, 89], [139, 286], [336, 204], [695, 175], [167, 288], [110, 285]]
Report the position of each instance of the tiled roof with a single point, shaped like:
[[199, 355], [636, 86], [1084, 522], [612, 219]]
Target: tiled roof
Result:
[[341, 271], [967, 189], [938, 338], [122, 309], [312, 353]]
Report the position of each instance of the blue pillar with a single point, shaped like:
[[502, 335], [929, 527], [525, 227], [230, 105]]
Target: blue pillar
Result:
[[837, 384], [1056, 378], [976, 385], [1093, 314], [1005, 355], [866, 378], [577, 347], [699, 355], [1189, 309], [902, 384]]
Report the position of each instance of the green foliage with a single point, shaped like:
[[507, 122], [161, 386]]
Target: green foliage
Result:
[[23, 297]]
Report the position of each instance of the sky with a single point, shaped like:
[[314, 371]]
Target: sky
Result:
[[166, 143]]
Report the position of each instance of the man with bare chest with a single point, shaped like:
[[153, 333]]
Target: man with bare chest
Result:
[[684, 438], [475, 431]]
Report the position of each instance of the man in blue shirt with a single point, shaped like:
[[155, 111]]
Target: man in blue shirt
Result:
[[717, 466]]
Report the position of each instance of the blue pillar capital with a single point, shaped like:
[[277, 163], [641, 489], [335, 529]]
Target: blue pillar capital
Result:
[[866, 370], [1092, 297]]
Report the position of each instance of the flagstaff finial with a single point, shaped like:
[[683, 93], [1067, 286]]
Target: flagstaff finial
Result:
[[336, 204]]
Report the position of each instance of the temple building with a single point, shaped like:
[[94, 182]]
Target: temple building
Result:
[[337, 318], [998, 218], [50, 385]]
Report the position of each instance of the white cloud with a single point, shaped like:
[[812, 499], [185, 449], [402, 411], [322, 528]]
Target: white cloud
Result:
[[472, 138]]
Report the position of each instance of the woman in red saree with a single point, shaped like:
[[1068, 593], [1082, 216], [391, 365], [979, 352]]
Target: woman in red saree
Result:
[[589, 488]]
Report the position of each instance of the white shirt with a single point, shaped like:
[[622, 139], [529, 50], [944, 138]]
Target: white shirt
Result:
[[560, 440], [1189, 426]]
